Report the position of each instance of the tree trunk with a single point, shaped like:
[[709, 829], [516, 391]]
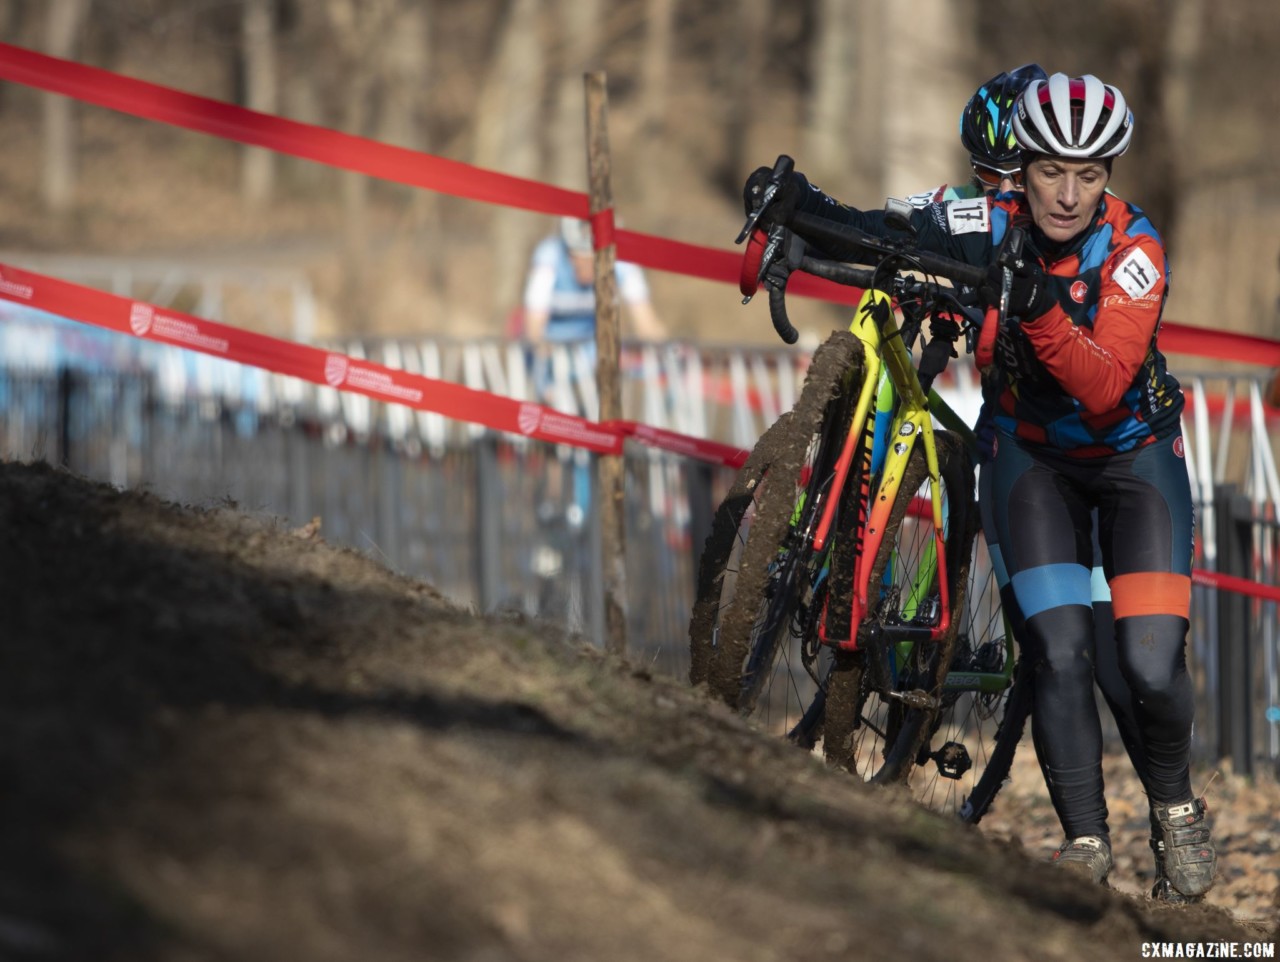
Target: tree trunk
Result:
[[578, 32], [261, 88], [830, 124], [866, 129], [921, 141], [510, 127], [359, 30], [739, 65], [655, 69], [63, 22], [1177, 64]]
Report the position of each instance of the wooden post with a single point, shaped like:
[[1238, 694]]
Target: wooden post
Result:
[[612, 469]]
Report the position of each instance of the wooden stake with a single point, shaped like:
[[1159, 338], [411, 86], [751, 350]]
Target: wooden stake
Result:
[[612, 469]]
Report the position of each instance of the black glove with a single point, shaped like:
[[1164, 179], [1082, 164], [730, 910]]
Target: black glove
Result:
[[1029, 295], [783, 205]]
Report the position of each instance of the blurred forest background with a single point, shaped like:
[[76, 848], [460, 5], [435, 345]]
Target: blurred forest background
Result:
[[866, 95]]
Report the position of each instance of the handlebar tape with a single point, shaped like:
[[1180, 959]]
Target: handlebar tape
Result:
[[778, 312]]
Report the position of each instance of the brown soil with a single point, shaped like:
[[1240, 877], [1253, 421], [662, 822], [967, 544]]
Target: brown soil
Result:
[[223, 739]]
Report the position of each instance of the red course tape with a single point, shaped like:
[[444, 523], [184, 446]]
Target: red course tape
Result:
[[303, 361]]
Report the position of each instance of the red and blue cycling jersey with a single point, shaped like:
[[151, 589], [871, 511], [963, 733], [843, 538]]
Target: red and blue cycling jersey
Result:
[[1085, 377]]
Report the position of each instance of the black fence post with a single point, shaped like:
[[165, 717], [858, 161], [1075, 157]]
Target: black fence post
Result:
[[66, 390], [698, 475], [1235, 647], [488, 524]]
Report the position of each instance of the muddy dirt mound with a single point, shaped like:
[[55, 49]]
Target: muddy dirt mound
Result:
[[224, 739]]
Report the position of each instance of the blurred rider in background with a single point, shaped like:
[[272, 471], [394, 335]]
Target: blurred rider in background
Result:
[[559, 293]]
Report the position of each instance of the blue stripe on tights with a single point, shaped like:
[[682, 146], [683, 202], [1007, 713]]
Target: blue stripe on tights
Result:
[[1051, 586], [997, 563], [1100, 590]]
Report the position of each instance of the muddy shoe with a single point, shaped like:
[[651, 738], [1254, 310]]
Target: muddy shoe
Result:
[[1088, 856], [1163, 890], [1188, 857]]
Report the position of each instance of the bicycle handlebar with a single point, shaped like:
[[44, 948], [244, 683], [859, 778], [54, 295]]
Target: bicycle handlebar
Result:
[[824, 231], [764, 252]]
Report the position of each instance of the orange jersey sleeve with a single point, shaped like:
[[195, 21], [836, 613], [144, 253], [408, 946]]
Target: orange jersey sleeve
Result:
[[1098, 366]]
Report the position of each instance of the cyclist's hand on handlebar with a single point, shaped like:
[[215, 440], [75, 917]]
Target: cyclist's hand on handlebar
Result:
[[1028, 291], [791, 188]]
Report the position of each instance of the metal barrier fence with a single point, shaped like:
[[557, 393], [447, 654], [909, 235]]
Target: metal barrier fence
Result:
[[497, 524], [503, 523]]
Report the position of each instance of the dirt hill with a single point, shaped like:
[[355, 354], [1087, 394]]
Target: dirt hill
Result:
[[223, 739]]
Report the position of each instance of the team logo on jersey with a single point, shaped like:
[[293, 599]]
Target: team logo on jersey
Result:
[[528, 418], [925, 198], [969, 216], [1078, 291], [140, 318], [335, 369], [1136, 274], [1179, 448]]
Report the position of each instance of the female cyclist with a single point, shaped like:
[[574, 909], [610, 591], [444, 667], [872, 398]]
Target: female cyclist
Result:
[[986, 132], [1087, 417]]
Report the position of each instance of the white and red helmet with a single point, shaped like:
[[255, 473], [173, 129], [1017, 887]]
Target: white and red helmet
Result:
[[1079, 117]]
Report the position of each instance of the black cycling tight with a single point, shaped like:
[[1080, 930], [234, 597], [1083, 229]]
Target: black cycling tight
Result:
[[1039, 504]]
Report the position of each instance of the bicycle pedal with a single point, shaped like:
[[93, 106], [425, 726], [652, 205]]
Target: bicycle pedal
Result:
[[952, 760]]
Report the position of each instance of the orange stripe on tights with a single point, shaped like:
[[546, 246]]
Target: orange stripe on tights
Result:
[[1151, 593]]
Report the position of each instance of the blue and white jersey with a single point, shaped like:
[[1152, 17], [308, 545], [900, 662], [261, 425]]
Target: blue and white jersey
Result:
[[552, 286]]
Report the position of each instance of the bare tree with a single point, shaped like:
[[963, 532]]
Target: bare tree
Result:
[[261, 92], [509, 131], [1174, 67], [64, 20], [740, 58], [867, 124], [928, 89], [578, 42], [655, 71], [830, 122], [357, 30]]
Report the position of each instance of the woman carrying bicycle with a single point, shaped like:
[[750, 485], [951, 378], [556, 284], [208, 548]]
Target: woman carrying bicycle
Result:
[[986, 132], [1088, 417]]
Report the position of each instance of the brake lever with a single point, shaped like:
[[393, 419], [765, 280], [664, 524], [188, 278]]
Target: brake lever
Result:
[[781, 168], [1010, 259], [777, 237], [753, 218]]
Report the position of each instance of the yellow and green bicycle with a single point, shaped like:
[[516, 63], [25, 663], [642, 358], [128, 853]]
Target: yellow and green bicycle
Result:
[[845, 596]]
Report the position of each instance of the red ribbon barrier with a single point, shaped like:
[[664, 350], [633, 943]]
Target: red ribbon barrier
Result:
[[230, 122], [700, 448], [1225, 345], [1241, 586], [302, 361]]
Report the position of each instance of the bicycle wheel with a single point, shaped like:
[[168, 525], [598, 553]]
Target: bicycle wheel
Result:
[[881, 701], [721, 556], [761, 583], [968, 756]]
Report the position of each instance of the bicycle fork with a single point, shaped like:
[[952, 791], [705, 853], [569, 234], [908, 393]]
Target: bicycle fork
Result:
[[912, 421]]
